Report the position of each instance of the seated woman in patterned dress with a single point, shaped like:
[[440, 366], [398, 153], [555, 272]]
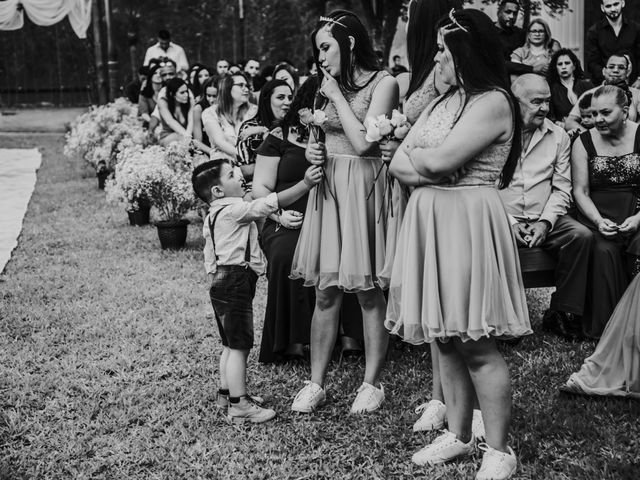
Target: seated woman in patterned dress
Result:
[[605, 164]]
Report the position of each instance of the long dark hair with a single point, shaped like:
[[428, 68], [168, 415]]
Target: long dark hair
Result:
[[480, 67], [265, 114], [343, 24], [147, 91], [422, 36], [225, 100], [196, 86], [209, 82], [552, 73], [304, 98], [173, 85]]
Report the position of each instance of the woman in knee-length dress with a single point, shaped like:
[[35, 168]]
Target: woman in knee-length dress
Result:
[[341, 246], [423, 87], [456, 280]]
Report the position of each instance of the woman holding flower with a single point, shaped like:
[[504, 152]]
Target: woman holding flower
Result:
[[341, 246]]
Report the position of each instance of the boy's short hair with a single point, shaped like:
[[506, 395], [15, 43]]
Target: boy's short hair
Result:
[[585, 101], [207, 175]]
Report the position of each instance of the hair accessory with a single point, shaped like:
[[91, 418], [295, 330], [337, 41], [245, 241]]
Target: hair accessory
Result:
[[331, 20], [455, 22]]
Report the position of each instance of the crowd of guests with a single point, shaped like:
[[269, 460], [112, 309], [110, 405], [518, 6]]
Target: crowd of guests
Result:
[[511, 147]]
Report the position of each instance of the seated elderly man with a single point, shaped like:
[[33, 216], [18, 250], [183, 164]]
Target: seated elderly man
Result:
[[616, 72], [537, 201]]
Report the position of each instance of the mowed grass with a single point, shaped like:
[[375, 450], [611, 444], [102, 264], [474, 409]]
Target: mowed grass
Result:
[[108, 370]]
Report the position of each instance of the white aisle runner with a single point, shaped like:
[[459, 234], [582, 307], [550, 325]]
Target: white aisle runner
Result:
[[17, 180]]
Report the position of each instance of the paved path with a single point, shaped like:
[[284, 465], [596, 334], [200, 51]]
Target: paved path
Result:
[[38, 119]]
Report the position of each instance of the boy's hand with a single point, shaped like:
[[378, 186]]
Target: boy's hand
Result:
[[291, 219], [313, 175], [315, 153]]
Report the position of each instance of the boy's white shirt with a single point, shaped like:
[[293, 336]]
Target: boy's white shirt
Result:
[[234, 223]]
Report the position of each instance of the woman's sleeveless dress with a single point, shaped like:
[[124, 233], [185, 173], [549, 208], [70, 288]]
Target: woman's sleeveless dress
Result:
[[457, 271], [229, 130], [412, 108], [614, 188], [614, 368], [341, 243]]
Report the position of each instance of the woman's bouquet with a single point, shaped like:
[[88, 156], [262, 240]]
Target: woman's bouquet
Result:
[[381, 129], [313, 121]]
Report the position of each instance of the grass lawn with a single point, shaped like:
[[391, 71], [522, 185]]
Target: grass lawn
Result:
[[108, 368]]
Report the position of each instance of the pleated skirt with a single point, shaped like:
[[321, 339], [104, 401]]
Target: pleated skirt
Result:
[[342, 242], [456, 271], [614, 367]]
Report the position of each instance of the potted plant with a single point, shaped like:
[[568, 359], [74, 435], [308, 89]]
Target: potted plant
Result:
[[165, 176], [128, 187]]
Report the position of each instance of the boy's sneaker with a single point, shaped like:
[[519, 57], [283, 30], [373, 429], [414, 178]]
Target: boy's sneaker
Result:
[[444, 448], [222, 400], [368, 399], [249, 412], [434, 415], [496, 465], [309, 398], [477, 426]]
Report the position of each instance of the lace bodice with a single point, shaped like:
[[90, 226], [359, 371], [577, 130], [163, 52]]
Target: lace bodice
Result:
[[436, 124], [420, 99], [336, 140]]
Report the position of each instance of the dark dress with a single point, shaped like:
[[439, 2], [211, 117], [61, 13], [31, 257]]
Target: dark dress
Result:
[[560, 105], [614, 185], [290, 304]]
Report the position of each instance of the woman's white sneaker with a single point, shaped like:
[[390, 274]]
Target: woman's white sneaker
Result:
[[443, 449], [309, 398], [434, 415], [496, 465], [477, 426], [368, 399]]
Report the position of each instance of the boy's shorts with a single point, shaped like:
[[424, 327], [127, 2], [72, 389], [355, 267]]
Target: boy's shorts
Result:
[[232, 291]]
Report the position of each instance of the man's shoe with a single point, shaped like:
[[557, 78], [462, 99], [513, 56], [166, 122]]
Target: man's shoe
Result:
[[368, 399], [309, 398], [496, 465], [434, 415], [249, 412], [443, 449]]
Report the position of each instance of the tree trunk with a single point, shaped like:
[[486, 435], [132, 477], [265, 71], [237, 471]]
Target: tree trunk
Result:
[[98, 53]]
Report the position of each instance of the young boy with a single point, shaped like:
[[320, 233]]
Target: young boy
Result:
[[586, 114], [234, 261]]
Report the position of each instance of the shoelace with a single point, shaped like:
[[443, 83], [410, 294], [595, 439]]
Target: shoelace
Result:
[[306, 393], [497, 458], [421, 408]]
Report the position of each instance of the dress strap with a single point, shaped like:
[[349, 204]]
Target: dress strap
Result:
[[212, 226], [587, 143]]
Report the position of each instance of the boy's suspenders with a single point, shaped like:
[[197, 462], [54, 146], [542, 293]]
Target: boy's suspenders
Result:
[[247, 248]]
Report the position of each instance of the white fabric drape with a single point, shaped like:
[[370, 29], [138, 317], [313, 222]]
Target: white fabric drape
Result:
[[46, 13]]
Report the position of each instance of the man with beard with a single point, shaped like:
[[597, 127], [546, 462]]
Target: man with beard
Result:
[[613, 34], [512, 37], [537, 200]]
